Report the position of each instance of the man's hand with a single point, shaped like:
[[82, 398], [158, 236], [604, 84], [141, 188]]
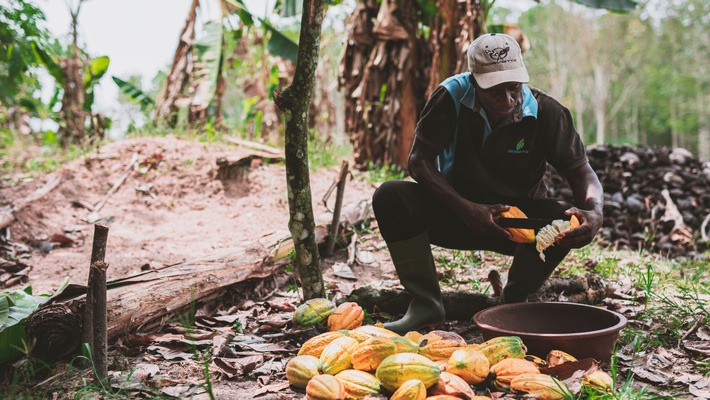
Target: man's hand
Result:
[[589, 195], [589, 224], [480, 218]]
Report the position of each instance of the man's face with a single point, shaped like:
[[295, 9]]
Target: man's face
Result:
[[499, 101]]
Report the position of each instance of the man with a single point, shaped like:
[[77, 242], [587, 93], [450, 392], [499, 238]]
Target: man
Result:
[[482, 145]]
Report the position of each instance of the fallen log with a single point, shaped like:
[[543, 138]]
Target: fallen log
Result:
[[142, 301]]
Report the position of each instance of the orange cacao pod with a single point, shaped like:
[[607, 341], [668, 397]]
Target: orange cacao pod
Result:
[[368, 355], [315, 345], [518, 235], [452, 385], [348, 315], [325, 387]]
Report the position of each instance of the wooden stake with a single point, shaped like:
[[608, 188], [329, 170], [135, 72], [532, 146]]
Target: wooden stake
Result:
[[98, 253], [342, 177], [100, 348]]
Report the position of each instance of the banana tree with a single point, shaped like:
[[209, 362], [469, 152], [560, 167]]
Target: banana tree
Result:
[[389, 67]]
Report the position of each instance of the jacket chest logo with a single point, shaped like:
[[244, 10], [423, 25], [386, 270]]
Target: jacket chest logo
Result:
[[519, 148]]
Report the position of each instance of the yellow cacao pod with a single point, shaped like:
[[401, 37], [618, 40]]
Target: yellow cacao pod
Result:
[[502, 347], [358, 384], [470, 364], [396, 369], [439, 345], [599, 380], [336, 356], [557, 357], [414, 336], [312, 312], [325, 387], [357, 335], [518, 235], [368, 355], [315, 345], [544, 386], [452, 385], [505, 370], [373, 330], [348, 315], [405, 345], [377, 396], [412, 389], [300, 370]]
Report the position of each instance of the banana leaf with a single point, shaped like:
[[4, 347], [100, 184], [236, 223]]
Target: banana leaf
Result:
[[15, 307], [134, 94], [281, 45], [621, 6], [207, 59], [52, 67], [238, 6], [96, 69]]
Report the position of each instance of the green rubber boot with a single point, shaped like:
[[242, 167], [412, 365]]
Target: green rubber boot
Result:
[[415, 267]]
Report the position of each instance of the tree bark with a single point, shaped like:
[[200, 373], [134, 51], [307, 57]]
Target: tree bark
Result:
[[98, 253], [294, 102], [176, 79], [389, 69]]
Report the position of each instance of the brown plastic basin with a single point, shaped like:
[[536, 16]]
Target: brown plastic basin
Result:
[[581, 330]]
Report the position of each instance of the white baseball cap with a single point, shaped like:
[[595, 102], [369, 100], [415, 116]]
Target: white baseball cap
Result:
[[495, 58]]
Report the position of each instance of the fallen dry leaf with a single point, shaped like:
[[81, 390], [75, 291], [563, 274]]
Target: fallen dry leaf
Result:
[[143, 372], [273, 388], [702, 347], [170, 354], [569, 369], [653, 375], [238, 366], [701, 389]]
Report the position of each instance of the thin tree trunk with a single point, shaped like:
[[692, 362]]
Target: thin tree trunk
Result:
[[294, 102], [674, 120], [174, 82], [704, 130]]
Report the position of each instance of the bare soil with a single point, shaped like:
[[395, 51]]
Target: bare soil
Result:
[[172, 207]]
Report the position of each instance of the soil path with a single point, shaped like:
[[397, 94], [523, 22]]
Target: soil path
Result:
[[172, 207]]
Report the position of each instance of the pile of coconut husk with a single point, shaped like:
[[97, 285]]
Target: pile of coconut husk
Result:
[[656, 199]]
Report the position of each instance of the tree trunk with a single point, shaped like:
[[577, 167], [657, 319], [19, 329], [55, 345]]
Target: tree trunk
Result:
[[389, 70], [165, 105], [294, 102], [704, 129]]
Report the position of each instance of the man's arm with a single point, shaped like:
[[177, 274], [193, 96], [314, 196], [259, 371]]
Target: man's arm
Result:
[[478, 217], [588, 199]]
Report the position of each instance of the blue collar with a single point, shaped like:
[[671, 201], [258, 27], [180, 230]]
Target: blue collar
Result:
[[529, 107]]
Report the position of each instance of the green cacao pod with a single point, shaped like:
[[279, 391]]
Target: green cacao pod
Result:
[[312, 312], [396, 369]]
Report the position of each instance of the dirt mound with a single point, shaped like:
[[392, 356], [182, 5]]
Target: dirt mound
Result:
[[171, 207]]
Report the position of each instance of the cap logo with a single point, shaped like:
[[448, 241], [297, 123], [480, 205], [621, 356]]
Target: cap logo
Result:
[[498, 53]]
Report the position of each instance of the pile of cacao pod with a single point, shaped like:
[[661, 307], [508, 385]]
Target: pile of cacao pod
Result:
[[353, 361]]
